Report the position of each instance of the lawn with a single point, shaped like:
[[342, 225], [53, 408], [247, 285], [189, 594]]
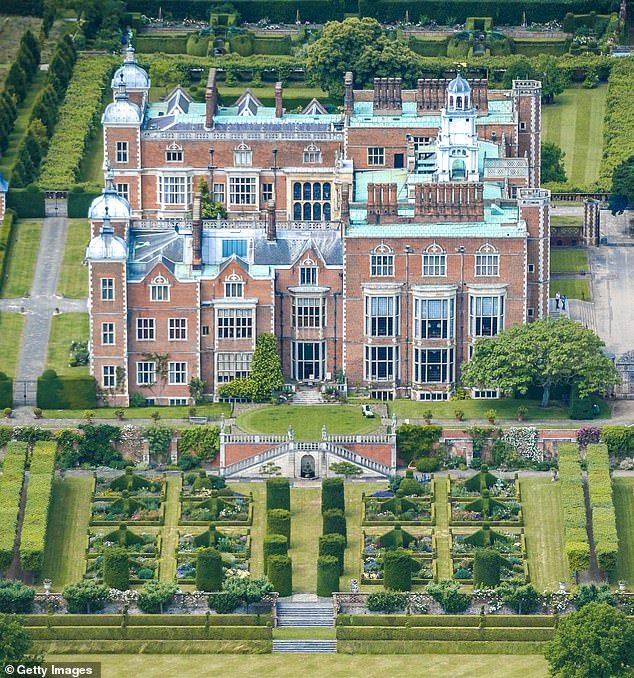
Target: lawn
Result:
[[575, 288], [543, 527], [568, 260], [92, 163], [64, 555], [73, 278], [623, 493], [169, 532], [22, 259], [66, 328], [305, 531], [307, 420], [11, 326], [575, 122], [213, 411], [310, 666], [565, 219]]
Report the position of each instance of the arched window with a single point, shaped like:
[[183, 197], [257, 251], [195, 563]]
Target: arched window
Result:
[[311, 201], [242, 156], [487, 261], [434, 261], [382, 261], [174, 153], [234, 286], [297, 190], [312, 154]]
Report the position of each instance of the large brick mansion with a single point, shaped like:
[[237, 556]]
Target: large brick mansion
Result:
[[378, 242]]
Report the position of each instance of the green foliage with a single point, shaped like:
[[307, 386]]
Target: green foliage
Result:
[[552, 163], [619, 439], [116, 568], [10, 490], [545, 353], [248, 589], [332, 494], [603, 513], [447, 594], [409, 487], [596, 641], [333, 544], [278, 521], [334, 522], [95, 447], [85, 597], [15, 642], [224, 602], [274, 545], [202, 441], [209, 572], [387, 602], [483, 480], [427, 464], [16, 597], [159, 437], [623, 182], [414, 441], [280, 574], [486, 568], [580, 408], [61, 392], [397, 570], [278, 494], [7, 236], [521, 598], [155, 595], [591, 593], [208, 208], [345, 469], [28, 202], [327, 575]]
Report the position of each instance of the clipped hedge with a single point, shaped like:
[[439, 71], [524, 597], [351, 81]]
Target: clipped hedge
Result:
[[443, 620], [147, 620], [209, 572], [165, 44], [146, 633], [280, 574], [486, 568], [603, 514], [334, 522], [619, 439], [79, 202], [7, 233], [327, 576], [333, 544], [576, 542], [278, 521], [6, 391], [332, 494], [443, 633], [116, 568], [38, 499], [278, 494], [27, 202], [397, 570], [10, 491], [274, 545], [66, 392]]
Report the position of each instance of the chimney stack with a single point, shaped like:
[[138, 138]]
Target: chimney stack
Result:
[[348, 99], [345, 203], [211, 99], [279, 110], [197, 227], [271, 228]]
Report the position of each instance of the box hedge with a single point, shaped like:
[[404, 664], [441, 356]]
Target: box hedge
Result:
[[397, 570], [7, 235], [27, 202], [456, 634], [274, 545], [148, 620], [6, 391], [486, 568], [334, 522], [10, 491], [327, 576], [79, 202], [278, 494], [333, 544], [165, 44], [443, 620], [332, 494], [66, 392], [438, 647], [619, 439], [280, 574], [118, 632], [116, 568], [278, 521], [209, 572]]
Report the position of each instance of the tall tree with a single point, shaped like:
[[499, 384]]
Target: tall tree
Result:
[[594, 642], [622, 186], [15, 643], [552, 163], [545, 353]]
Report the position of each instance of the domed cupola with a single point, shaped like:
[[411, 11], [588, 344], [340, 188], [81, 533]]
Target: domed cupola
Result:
[[133, 76], [122, 112], [106, 245], [458, 94], [109, 203]]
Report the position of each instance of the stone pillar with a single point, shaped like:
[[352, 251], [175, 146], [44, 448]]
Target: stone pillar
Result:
[[591, 223], [174, 450], [271, 230], [145, 451]]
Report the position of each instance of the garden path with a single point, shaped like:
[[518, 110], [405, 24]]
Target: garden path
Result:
[[305, 531], [169, 533], [443, 555]]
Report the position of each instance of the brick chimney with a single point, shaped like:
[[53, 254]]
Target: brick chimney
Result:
[[387, 96], [382, 201], [211, 99], [271, 228], [345, 202], [458, 201], [279, 110], [197, 235], [348, 99]]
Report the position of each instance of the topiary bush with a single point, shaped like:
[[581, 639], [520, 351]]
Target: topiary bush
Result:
[[278, 521], [327, 576], [334, 522], [116, 568], [209, 572], [333, 544], [387, 602], [408, 487], [278, 494], [397, 570], [280, 574], [486, 568], [332, 494], [155, 595], [274, 545], [85, 597], [225, 602]]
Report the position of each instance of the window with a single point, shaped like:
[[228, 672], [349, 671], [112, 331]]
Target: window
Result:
[[381, 363], [382, 395], [219, 192], [308, 312], [433, 366], [107, 289], [159, 289], [487, 261], [237, 247], [433, 395], [174, 190], [174, 153], [399, 160], [267, 192], [485, 394], [233, 366], [312, 201], [205, 330], [312, 154], [235, 323], [376, 155], [434, 261], [531, 268], [122, 151], [433, 318], [145, 373], [486, 316], [242, 156], [382, 261], [178, 401], [107, 334], [531, 312], [109, 376], [234, 287], [522, 126], [309, 360], [382, 316], [124, 191], [242, 190], [308, 275], [176, 372], [145, 329], [177, 329]]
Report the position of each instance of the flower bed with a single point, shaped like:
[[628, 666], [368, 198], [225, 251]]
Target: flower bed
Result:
[[422, 545], [501, 489], [141, 569], [238, 543], [373, 570], [143, 543], [196, 487], [512, 544], [515, 568], [392, 510], [137, 486], [473, 513], [186, 567], [141, 511], [236, 509]]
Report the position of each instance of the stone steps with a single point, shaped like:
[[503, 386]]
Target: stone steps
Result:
[[305, 646], [304, 614], [307, 397]]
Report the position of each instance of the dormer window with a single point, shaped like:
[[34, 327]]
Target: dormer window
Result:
[[174, 153], [312, 154], [234, 287], [308, 273], [159, 289], [242, 156]]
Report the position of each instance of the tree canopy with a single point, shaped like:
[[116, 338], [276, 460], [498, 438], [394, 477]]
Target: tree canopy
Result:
[[15, 643], [622, 186], [594, 642], [552, 164], [544, 353]]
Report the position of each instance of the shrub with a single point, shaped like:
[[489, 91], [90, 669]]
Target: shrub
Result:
[[274, 545], [209, 572], [387, 602], [155, 595], [486, 568], [247, 589], [580, 408], [334, 521], [16, 597], [521, 598], [278, 521], [427, 464], [591, 593], [397, 570], [201, 441], [224, 602], [278, 494], [587, 435], [116, 568], [447, 594], [333, 544], [280, 574], [332, 494], [327, 576], [408, 487], [414, 441], [85, 597]]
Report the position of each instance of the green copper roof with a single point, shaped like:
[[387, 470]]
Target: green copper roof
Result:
[[443, 230]]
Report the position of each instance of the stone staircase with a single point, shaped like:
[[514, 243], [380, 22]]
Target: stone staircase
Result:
[[304, 614], [307, 396], [304, 646]]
